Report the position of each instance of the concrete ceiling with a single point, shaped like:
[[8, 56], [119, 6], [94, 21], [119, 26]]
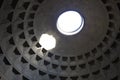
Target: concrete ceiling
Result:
[[92, 54]]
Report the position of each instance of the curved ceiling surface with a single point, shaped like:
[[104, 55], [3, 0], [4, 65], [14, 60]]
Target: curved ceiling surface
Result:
[[92, 54]]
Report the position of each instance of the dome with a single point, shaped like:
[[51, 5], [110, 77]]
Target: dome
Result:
[[34, 47]]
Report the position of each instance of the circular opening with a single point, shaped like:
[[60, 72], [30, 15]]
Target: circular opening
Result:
[[70, 23]]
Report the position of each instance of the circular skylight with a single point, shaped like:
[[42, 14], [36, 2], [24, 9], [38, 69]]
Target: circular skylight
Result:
[[70, 23]]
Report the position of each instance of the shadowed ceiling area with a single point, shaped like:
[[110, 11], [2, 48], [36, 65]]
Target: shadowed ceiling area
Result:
[[91, 54]]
